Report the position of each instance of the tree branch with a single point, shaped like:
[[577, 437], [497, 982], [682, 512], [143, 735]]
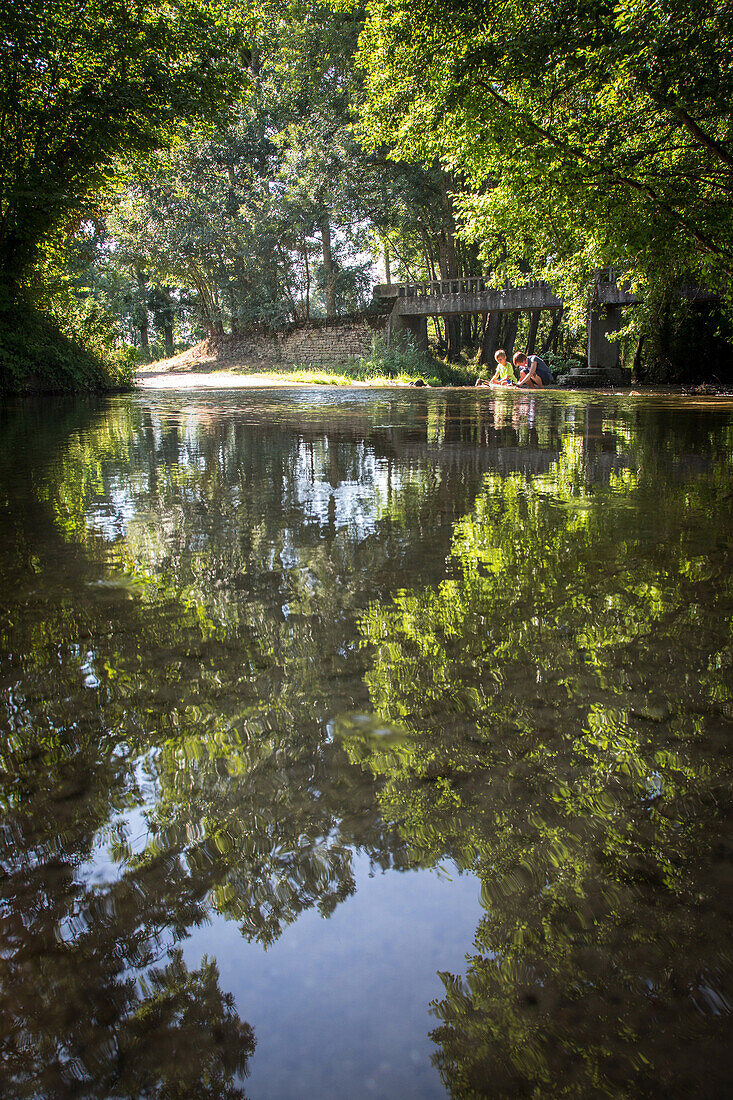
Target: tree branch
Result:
[[611, 174]]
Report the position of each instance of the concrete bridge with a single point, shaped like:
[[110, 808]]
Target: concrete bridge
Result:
[[413, 303]]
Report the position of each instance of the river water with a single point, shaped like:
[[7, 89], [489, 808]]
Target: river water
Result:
[[366, 743]]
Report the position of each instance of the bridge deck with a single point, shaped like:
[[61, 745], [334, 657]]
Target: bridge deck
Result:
[[465, 296], [476, 295], [410, 304]]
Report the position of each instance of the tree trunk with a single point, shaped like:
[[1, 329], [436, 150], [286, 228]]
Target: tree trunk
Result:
[[209, 306], [534, 321], [143, 315], [446, 240], [453, 338], [447, 255], [167, 319], [163, 310], [387, 272], [489, 342], [329, 273], [510, 334], [453, 326], [307, 279], [429, 254], [168, 338], [636, 368], [556, 317]]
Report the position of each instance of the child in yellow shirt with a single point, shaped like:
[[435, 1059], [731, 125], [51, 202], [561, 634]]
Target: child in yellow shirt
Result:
[[504, 374]]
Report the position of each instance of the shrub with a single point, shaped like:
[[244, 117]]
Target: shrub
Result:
[[392, 360], [562, 364], [405, 360], [40, 354]]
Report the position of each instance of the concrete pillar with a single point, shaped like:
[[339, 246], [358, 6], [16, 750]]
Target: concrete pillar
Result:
[[414, 327], [603, 352]]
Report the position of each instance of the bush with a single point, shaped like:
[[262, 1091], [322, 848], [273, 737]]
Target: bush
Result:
[[404, 360], [39, 354], [392, 361], [691, 343], [563, 364]]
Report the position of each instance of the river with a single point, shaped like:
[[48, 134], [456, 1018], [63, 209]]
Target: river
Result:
[[366, 743]]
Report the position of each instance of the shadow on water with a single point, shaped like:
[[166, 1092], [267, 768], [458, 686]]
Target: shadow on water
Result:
[[248, 637]]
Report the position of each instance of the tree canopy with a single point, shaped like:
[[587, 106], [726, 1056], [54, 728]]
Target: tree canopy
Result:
[[82, 84], [584, 134], [271, 160]]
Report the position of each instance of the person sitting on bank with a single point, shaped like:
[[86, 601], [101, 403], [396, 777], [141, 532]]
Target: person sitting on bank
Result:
[[534, 372], [504, 374]]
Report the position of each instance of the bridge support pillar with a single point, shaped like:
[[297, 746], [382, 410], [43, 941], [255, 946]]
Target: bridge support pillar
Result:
[[603, 352], [411, 326]]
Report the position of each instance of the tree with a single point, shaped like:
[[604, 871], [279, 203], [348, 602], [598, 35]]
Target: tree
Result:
[[203, 217], [84, 84], [585, 135], [270, 218]]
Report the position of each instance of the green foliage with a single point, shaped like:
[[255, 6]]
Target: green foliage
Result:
[[49, 353], [688, 344], [560, 143], [402, 360], [580, 136], [80, 88], [269, 219], [75, 96], [394, 360], [563, 364], [94, 328]]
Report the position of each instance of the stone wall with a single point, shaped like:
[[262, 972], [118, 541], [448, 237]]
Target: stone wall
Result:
[[317, 342]]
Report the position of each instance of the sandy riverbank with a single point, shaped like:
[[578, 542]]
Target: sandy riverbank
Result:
[[221, 379]]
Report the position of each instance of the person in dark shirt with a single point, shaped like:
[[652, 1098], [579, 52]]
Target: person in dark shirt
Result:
[[534, 372]]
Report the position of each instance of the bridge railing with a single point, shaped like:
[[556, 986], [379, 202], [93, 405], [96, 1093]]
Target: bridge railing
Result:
[[445, 288], [606, 278]]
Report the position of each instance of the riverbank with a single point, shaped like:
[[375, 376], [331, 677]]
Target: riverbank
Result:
[[238, 378], [38, 356], [230, 364], [231, 378], [198, 368], [235, 378]]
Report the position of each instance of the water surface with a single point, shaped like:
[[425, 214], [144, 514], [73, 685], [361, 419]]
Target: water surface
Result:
[[366, 743]]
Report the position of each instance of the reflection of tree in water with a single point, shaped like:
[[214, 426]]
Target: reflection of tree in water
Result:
[[160, 672], [249, 651], [130, 681], [565, 697], [187, 668], [95, 999], [90, 1005]]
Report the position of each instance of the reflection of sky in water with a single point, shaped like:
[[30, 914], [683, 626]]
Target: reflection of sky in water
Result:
[[111, 519], [102, 869], [340, 1007], [352, 502], [351, 499]]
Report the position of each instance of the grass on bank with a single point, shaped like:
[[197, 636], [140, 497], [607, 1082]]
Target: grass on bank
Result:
[[383, 366]]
